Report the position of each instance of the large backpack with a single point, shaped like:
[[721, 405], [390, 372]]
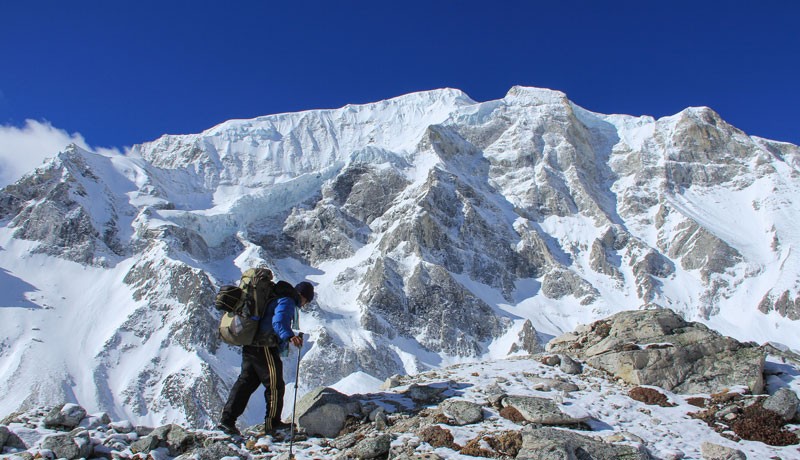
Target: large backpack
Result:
[[245, 305]]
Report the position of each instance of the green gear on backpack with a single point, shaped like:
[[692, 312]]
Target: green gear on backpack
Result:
[[244, 307]]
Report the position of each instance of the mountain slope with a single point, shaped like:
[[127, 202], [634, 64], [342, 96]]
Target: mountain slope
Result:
[[437, 229]]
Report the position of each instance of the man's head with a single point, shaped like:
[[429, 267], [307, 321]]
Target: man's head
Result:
[[306, 291]]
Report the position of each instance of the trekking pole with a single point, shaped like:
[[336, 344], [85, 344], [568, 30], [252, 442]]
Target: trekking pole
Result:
[[294, 404]]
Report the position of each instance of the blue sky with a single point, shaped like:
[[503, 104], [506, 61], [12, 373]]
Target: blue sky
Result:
[[118, 73]]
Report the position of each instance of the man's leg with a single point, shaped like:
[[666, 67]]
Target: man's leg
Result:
[[244, 386], [274, 387]]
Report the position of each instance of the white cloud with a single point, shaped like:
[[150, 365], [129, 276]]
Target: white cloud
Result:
[[24, 149]]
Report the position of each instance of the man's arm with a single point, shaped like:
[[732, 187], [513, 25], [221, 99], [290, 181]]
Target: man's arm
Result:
[[282, 319]]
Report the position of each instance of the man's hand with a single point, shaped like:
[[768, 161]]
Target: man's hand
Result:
[[296, 341]]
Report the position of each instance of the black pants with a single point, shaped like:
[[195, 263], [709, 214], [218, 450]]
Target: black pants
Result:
[[260, 366]]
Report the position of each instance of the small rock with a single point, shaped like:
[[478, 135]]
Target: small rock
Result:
[[711, 451], [673, 454], [425, 394], [372, 447], [380, 418], [345, 442], [569, 365], [95, 421], [216, 451], [551, 360], [121, 427], [391, 382]]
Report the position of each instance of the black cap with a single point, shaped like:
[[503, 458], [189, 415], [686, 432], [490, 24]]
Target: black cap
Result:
[[305, 289]]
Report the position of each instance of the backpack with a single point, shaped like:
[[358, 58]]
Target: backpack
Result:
[[245, 305]]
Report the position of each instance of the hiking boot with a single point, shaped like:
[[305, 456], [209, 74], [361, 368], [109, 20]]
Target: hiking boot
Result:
[[229, 429], [281, 426]]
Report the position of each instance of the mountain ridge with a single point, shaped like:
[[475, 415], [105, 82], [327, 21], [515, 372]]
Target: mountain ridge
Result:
[[435, 228]]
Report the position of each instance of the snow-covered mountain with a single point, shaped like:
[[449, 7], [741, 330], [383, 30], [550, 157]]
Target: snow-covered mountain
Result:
[[437, 230]]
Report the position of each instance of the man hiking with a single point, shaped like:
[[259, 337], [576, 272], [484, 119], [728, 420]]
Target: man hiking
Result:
[[262, 364]]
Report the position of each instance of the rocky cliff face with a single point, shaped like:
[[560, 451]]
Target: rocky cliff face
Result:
[[436, 228]]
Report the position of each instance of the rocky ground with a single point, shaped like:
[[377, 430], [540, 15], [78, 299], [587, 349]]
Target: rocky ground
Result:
[[550, 405]]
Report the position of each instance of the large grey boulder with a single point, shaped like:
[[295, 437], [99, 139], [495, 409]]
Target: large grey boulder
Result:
[[324, 411], [463, 412], [65, 446], [784, 403], [658, 347], [9, 439], [65, 417], [554, 444], [542, 410]]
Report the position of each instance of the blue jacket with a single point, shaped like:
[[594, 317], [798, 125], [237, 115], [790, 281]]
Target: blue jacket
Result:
[[282, 309]]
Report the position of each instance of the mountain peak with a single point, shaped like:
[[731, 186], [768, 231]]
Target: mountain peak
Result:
[[528, 95]]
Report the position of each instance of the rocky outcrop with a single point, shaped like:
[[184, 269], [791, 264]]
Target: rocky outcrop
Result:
[[657, 347], [781, 303], [528, 341], [430, 305], [66, 207]]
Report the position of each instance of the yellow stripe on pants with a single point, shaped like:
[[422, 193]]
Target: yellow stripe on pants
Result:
[[273, 391]]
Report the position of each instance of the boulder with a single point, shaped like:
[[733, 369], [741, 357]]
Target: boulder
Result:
[[324, 411], [174, 437], [657, 347], [542, 410], [91, 422], [65, 446], [65, 417], [216, 451], [144, 444], [426, 394], [179, 440], [711, 451], [569, 365], [784, 403], [554, 444], [371, 447], [547, 384], [463, 412], [9, 439], [391, 382]]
